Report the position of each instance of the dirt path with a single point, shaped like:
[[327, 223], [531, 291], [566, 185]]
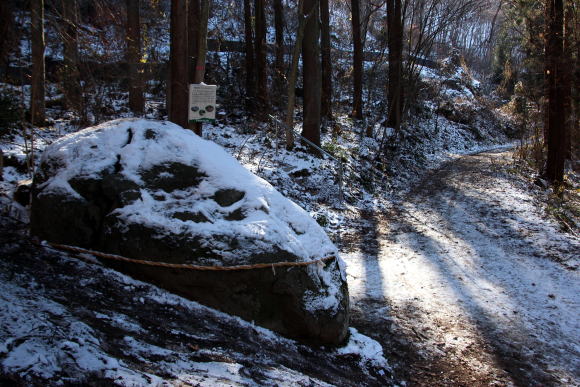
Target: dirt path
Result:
[[466, 283]]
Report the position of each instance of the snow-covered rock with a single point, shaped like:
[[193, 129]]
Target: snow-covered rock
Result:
[[151, 190]]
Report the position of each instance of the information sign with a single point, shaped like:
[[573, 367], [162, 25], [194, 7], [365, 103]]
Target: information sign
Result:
[[202, 102]]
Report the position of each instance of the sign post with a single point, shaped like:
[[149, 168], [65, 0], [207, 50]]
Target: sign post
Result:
[[202, 102]]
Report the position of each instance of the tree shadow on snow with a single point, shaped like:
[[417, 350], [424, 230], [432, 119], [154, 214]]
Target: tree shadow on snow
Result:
[[515, 347], [504, 333]]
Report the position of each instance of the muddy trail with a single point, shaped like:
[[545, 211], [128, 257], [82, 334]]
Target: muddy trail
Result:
[[466, 283]]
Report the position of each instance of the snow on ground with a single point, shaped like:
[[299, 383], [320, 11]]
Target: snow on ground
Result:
[[47, 338], [471, 248], [120, 331]]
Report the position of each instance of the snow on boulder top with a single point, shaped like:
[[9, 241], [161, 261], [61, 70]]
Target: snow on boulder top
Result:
[[220, 197]]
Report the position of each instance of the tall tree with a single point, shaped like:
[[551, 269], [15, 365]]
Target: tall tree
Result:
[[357, 60], [249, 56], [395, 44], [193, 24], [6, 31], [556, 113], [178, 100], [326, 107], [70, 72], [37, 111], [311, 72], [279, 51], [293, 74], [133, 38], [201, 55], [193, 27], [260, 50], [568, 73]]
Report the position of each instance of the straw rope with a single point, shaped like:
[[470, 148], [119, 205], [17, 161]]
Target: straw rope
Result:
[[114, 257]]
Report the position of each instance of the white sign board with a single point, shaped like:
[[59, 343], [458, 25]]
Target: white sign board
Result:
[[202, 102]]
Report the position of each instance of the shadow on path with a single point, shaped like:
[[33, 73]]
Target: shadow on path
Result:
[[474, 238]]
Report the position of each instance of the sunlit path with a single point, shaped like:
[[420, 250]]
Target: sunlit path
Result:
[[468, 262]]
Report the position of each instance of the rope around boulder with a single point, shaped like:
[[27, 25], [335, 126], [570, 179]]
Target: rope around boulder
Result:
[[115, 257]]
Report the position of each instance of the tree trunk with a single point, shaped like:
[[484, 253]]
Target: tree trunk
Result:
[[568, 74], [260, 49], [279, 52], [201, 53], [178, 100], [326, 103], [193, 23], [37, 111], [292, 77], [395, 43], [249, 58], [575, 132], [357, 60], [311, 73], [556, 130], [6, 31], [71, 75], [136, 100]]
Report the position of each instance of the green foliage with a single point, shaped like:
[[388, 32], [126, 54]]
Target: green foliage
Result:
[[523, 31], [504, 65], [322, 220], [335, 149]]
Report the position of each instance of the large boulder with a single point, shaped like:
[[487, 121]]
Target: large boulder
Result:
[[153, 191]]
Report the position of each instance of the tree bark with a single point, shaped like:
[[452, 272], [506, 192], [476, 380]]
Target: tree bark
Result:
[[249, 57], [201, 43], [575, 132], [193, 23], [260, 50], [568, 74], [133, 38], [178, 100], [199, 74], [6, 31], [37, 111], [279, 51], [311, 73], [293, 75], [556, 118], [357, 60], [326, 103], [71, 74], [395, 43]]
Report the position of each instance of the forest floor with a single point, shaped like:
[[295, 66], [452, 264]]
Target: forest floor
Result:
[[466, 282], [463, 282]]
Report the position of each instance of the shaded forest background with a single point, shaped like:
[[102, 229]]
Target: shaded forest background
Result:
[[94, 60]]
